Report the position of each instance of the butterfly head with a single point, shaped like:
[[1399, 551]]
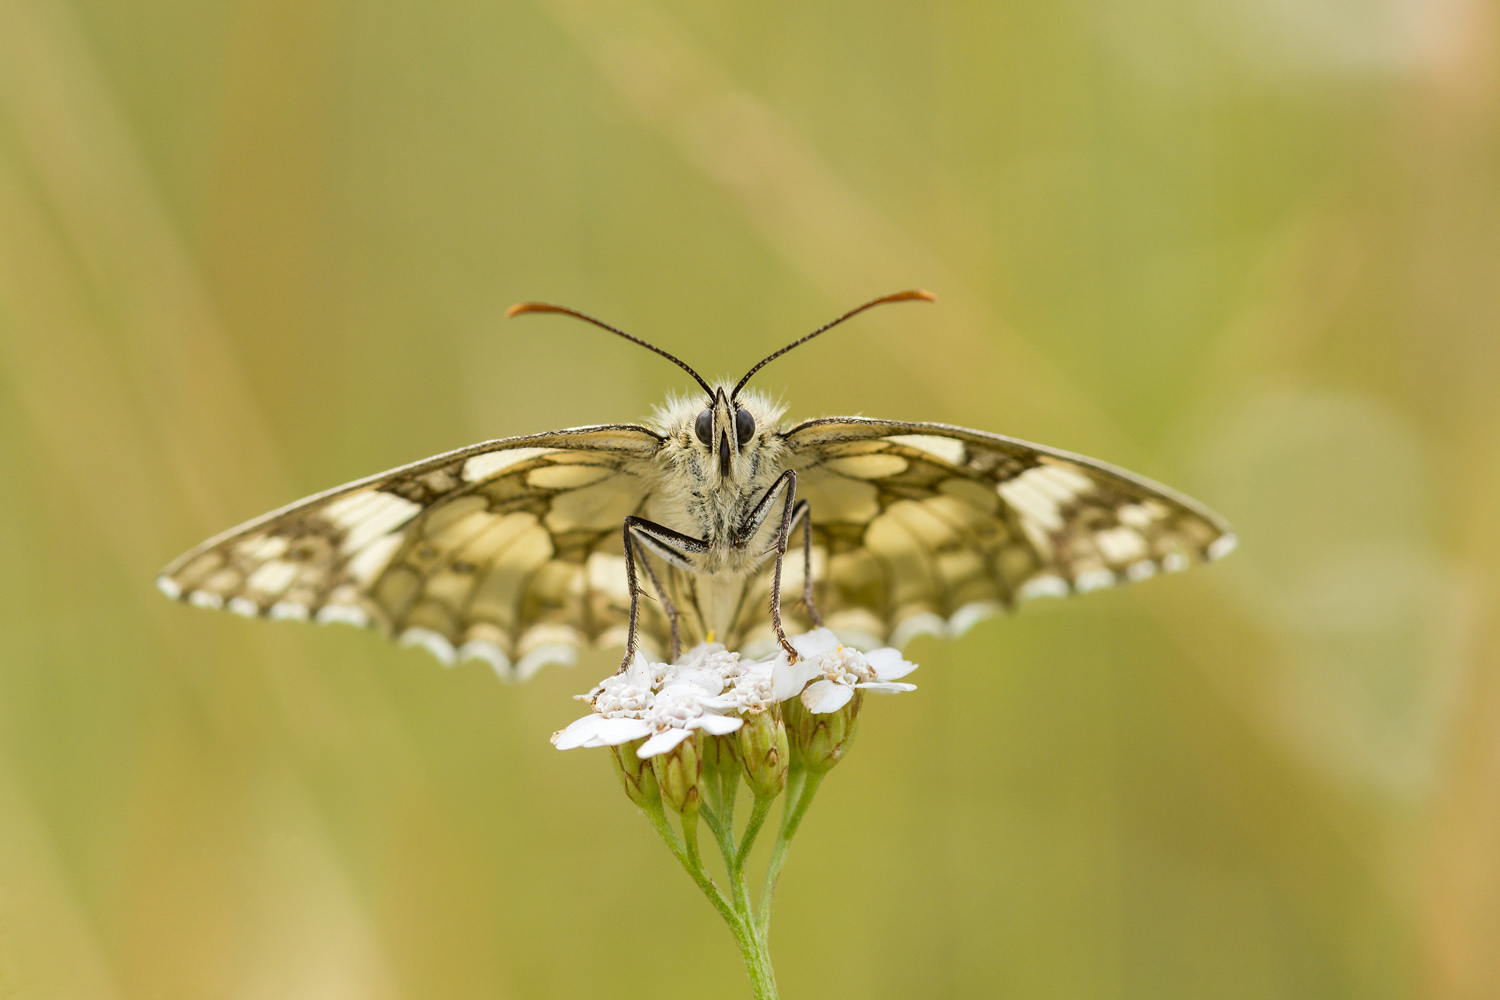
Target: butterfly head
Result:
[[724, 428], [726, 440]]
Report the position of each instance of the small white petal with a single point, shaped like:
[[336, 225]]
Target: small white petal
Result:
[[706, 680], [577, 733], [717, 725], [696, 656], [815, 643], [788, 679], [639, 672], [662, 742], [766, 670], [823, 697], [613, 732], [886, 687], [888, 663]]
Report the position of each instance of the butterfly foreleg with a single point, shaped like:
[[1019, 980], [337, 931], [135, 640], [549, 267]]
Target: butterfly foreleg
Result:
[[673, 546], [786, 487], [666, 605]]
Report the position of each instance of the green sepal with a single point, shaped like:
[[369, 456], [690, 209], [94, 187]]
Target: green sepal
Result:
[[635, 774], [677, 774], [819, 741], [765, 752]]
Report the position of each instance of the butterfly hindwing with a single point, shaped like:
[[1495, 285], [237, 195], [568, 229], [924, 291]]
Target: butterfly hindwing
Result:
[[926, 527], [507, 551]]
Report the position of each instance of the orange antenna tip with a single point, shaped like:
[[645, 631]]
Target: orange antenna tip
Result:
[[529, 307], [914, 294], [547, 307]]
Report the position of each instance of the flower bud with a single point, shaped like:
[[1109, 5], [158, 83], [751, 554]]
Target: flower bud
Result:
[[635, 774], [819, 741], [677, 772], [763, 747], [718, 753]]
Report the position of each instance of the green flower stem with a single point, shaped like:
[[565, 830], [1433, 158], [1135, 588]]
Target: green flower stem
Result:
[[753, 945], [729, 790], [695, 859], [748, 922], [758, 815], [801, 786], [689, 859], [737, 914], [710, 818], [757, 960], [734, 863], [720, 820]]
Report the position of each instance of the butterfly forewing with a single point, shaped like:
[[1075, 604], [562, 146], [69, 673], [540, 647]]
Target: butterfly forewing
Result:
[[508, 551], [926, 527]]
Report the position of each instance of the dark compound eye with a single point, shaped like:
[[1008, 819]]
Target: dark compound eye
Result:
[[744, 425], [704, 427]]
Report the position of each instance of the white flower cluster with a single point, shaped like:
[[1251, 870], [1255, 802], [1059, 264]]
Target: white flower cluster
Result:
[[713, 689]]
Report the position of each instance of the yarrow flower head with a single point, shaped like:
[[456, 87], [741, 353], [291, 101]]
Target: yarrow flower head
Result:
[[823, 691], [656, 708], [708, 689], [827, 673]]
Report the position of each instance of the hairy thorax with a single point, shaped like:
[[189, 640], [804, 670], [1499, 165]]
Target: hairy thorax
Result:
[[693, 496]]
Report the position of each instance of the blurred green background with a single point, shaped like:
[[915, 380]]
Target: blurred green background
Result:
[[249, 250]]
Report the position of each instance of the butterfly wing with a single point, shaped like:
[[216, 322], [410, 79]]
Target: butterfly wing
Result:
[[507, 551], [923, 527]]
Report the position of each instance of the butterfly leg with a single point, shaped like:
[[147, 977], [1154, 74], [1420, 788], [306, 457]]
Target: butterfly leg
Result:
[[673, 546], [803, 513], [786, 487], [666, 605], [789, 504]]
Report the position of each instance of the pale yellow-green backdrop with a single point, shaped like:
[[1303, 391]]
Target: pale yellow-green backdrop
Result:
[[250, 249]]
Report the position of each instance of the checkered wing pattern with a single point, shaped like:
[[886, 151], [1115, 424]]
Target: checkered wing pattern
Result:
[[923, 527], [507, 551]]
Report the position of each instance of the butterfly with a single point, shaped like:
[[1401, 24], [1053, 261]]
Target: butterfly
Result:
[[520, 551]]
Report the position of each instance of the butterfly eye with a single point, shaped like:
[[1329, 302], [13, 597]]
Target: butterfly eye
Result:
[[744, 425], [704, 426]]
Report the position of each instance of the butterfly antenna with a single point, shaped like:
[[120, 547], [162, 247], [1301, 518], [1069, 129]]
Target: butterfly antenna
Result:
[[907, 296], [544, 307]]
